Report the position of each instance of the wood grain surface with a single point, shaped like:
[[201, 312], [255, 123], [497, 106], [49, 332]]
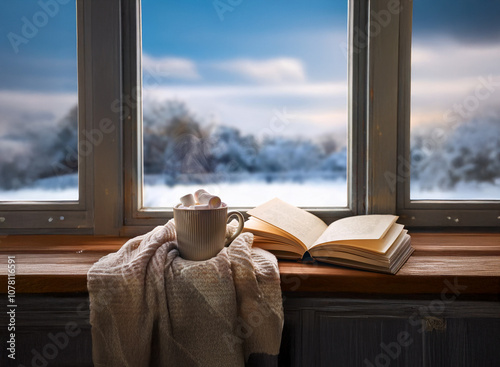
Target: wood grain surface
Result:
[[59, 264]]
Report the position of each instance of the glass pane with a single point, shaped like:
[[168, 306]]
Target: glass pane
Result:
[[455, 119], [38, 101], [245, 99]]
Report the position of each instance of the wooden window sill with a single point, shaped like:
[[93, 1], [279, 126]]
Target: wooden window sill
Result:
[[59, 264]]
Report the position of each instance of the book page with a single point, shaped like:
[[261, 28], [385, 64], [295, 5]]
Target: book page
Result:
[[301, 224], [378, 246], [272, 233], [361, 227]]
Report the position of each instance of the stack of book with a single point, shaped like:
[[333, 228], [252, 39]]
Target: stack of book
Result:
[[368, 242]]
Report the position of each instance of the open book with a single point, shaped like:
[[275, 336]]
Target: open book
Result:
[[369, 242]]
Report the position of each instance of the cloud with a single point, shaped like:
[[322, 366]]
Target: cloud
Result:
[[26, 111], [447, 74], [278, 70], [156, 69], [317, 108], [445, 58], [337, 89]]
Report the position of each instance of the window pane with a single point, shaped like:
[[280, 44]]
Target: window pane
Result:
[[455, 119], [248, 101], [38, 101]]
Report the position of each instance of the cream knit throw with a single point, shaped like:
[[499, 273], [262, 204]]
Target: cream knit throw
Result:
[[150, 307]]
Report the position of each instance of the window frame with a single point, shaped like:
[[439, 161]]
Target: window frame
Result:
[[63, 216], [379, 115], [427, 213], [138, 218]]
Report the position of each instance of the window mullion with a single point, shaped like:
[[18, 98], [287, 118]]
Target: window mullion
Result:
[[382, 162], [105, 135]]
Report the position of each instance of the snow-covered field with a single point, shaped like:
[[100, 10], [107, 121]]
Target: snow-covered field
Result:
[[316, 193], [40, 194], [463, 191], [320, 193], [57, 188], [250, 194]]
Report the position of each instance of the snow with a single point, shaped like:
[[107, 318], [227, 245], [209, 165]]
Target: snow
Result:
[[315, 193], [180, 156], [57, 188], [318, 193], [40, 194], [462, 191]]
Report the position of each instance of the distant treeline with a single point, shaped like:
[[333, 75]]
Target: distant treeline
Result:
[[178, 149]]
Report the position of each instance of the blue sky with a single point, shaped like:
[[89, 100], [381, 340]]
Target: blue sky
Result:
[[456, 46], [304, 32], [237, 67], [255, 30], [263, 56], [47, 62], [467, 21], [292, 28]]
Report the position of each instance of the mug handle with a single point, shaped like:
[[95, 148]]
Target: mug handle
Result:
[[241, 222]]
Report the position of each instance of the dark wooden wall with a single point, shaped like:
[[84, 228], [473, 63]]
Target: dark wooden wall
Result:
[[53, 330]]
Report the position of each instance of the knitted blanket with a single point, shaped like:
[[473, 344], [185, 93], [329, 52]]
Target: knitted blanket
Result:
[[150, 307]]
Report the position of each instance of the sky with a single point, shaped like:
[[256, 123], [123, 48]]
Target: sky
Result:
[[38, 83], [239, 64], [456, 47]]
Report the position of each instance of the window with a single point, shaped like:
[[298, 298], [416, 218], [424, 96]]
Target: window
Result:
[[43, 165], [348, 63], [455, 98], [247, 103], [246, 100], [450, 127], [38, 100]]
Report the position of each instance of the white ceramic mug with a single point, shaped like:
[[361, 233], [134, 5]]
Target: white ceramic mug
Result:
[[201, 233]]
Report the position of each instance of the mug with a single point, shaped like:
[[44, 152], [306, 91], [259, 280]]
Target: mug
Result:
[[201, 233]]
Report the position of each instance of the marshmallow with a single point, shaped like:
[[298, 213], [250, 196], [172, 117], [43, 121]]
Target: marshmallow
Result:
[[187, 200], [203, 197], [212, 201], [201, 207], [180, 206], [198, 193]]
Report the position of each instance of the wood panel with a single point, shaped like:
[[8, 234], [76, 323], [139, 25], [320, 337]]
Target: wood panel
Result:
[[51, 330], [366, 332], [464, 342], [291, 340], [353, 342], [317, 332]]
